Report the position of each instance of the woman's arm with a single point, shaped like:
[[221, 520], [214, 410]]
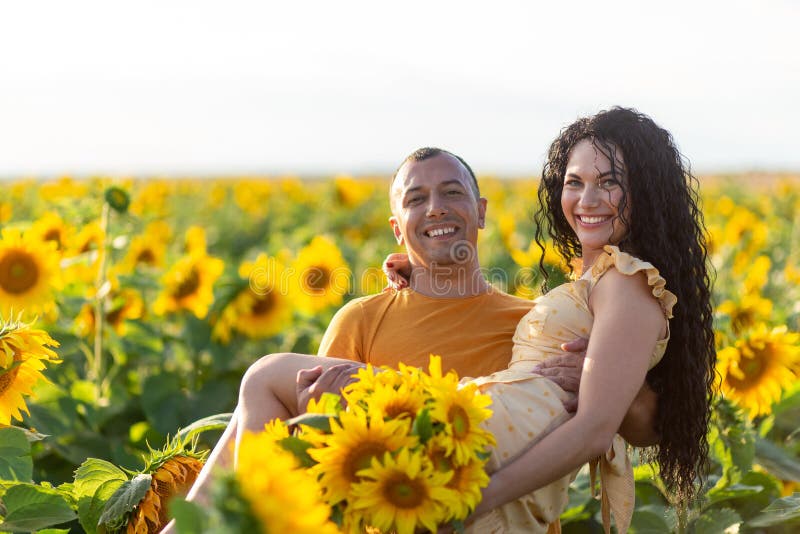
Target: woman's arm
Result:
[[628, 322]]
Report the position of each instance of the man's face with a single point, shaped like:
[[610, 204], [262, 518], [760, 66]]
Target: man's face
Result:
[[436, 214]]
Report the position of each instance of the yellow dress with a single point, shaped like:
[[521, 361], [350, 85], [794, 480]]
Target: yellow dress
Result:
[[526, 406]]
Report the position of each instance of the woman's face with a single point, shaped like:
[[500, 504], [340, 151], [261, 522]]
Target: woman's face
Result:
[[591, 196]]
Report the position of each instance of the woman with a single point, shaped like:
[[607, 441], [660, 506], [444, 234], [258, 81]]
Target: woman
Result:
[[615, 195]]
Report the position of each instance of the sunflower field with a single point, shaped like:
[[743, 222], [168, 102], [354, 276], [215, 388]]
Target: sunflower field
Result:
[[131, 309]]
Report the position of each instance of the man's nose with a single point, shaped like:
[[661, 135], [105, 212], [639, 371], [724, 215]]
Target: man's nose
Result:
[[436, 207]]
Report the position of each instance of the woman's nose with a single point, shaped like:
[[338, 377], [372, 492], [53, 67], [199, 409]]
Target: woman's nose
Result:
[[590, 195]]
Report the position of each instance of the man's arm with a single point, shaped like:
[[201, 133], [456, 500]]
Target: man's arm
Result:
[[638, 426]]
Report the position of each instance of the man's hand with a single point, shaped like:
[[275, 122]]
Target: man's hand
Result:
[[312, 383], [565, 370]]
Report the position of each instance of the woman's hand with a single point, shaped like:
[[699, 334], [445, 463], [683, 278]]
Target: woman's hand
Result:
[[398, 270]]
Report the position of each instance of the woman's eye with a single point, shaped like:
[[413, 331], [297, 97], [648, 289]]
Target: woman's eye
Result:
[[609, 183], [572, 183]]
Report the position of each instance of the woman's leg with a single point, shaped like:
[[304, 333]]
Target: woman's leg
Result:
[[268, 391]]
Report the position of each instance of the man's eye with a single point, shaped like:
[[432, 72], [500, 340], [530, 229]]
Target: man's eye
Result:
[[454, 192], [413, 200]]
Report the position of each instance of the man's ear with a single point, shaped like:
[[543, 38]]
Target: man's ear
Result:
[[398, 235], [482, 212]]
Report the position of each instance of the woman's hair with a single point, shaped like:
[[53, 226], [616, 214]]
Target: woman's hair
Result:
[[666, 229]]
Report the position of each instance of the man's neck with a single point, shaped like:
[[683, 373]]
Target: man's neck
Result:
[[451, 281]]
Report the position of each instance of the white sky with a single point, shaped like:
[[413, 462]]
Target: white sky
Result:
[[323, 87]]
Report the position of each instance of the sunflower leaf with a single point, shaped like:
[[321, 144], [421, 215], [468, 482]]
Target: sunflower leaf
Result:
[[716, 521], [31, 507], [95, 482], [423, 427], [299, 448], [781, 511], [212, 422], [777, 460], [15, 455], [125, 498], [189, 517], [319, 421]]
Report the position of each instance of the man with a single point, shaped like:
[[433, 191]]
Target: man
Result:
[[448, 308]]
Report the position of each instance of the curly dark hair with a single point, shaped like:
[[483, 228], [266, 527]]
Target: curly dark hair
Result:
[[666, 229]]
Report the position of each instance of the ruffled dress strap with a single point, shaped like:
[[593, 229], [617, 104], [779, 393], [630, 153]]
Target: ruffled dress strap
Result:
[[630, 265]]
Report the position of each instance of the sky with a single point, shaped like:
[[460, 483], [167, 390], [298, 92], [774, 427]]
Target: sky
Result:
[[317, 88]]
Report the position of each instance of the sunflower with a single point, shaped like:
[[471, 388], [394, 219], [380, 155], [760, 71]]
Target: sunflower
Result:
[[121, 306], [152, 198], [261, 309], [351, 446], [461, 409], [283, 496], [754, 372], [64, 187], [81, 259], [396, 402], [173, 470], [748, 311], [188, 285], [29, 273], [399, 493], [350, 192], [51, 227], [23, 354], [322, 275], [252, 196], [6, 211], [147, 249], [196, 242], [467, 479]]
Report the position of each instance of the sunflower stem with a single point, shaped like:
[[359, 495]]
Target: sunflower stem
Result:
[[97, 369]]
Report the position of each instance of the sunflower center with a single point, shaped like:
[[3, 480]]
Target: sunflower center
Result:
[[398, 409], [317, 279], [18, 272], [441, 462], [7, 378], [742, 319], [459, 418], [263, 304], [404, 492], [753, 369], [188, 286], [146, 256], [53, 234], [360, 457]]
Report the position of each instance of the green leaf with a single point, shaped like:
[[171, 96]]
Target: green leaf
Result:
[[15, 455], [189, 517], [212, 422], [126, 498], [30, 507], [314, 420], [734, 491], [89, 511], [299, 448], [780, 511], [95, 483], [777, 460], [649, 520], [716, 521], [423, 426]]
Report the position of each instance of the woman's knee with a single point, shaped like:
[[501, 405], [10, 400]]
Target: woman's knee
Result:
[[263, 372]]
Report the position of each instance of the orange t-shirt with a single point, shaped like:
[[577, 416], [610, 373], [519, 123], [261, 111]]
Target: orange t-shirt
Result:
[[473, 335]]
